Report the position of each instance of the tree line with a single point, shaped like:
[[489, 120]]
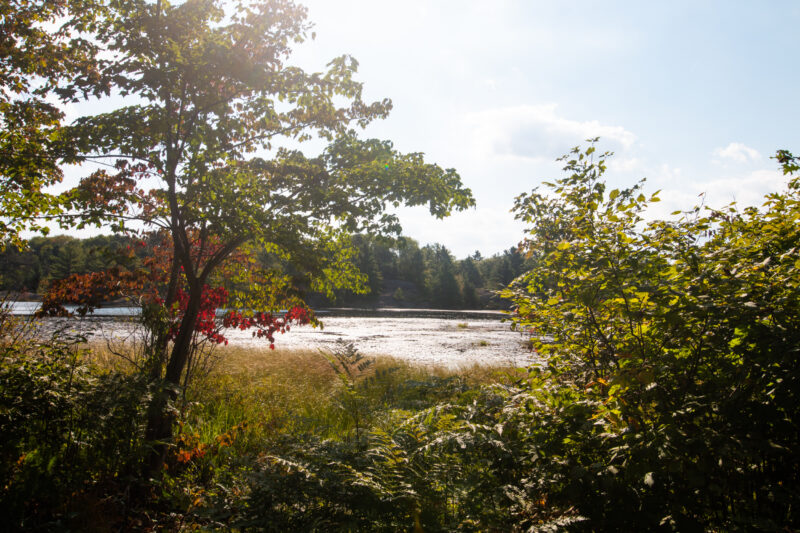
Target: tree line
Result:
[[402, 273], [398, 272]]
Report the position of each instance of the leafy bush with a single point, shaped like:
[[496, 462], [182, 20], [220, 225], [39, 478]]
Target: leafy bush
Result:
[[71, 435], [684, 338]]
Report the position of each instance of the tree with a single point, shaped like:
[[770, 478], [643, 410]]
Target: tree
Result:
[[69, 258], [215, 108], [40, 67], [410, 263], [441, 283], [470, 272], [19, 270], [368, 265]]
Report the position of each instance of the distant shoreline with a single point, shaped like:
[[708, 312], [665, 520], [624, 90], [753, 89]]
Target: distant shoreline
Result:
[[121, 310]]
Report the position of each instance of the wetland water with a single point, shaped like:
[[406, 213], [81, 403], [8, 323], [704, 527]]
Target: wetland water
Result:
[[427, 337]]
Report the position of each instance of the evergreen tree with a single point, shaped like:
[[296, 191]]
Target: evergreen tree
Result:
[[502, 274], [469, 272], [441, 284], [19, 269], [368, 265], [410, 261], [470, 296], [68, 259]]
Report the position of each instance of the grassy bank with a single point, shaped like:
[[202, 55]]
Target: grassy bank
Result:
[[252, 424], [300, 392], [297, 427]]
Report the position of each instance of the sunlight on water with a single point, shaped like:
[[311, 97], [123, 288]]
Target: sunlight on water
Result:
[[420, 340], [426, 341]]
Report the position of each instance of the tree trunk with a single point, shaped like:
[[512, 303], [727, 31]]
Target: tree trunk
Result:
[[160, 418]]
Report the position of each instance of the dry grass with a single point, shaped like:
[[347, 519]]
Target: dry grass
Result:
[[310, 367], [297, 392], [236, 360], [100, 354], [258, 360], [239, 361], [249, 364]]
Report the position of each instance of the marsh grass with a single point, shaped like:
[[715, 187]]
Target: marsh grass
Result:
[[270, 394], [297, 391]]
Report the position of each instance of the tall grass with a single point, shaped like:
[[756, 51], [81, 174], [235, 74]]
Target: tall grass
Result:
[[298, 391], [281, 392]]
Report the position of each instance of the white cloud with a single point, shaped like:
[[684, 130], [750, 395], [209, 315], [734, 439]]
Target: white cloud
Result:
[[535, 132], [738, 152], [487, 229], [748, 189], [625, 164]]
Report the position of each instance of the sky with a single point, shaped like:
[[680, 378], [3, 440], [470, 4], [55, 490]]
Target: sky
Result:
[[694, 96]]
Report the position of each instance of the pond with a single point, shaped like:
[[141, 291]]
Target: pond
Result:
[[420, 336]]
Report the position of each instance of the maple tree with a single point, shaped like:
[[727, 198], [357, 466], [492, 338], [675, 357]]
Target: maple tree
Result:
[[206, 152], [146, 284]]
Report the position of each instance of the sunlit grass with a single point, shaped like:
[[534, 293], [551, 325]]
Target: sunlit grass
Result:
[[276, 393], [297, 391]]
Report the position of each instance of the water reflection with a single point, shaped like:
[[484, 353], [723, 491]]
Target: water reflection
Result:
[[435, 338]]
